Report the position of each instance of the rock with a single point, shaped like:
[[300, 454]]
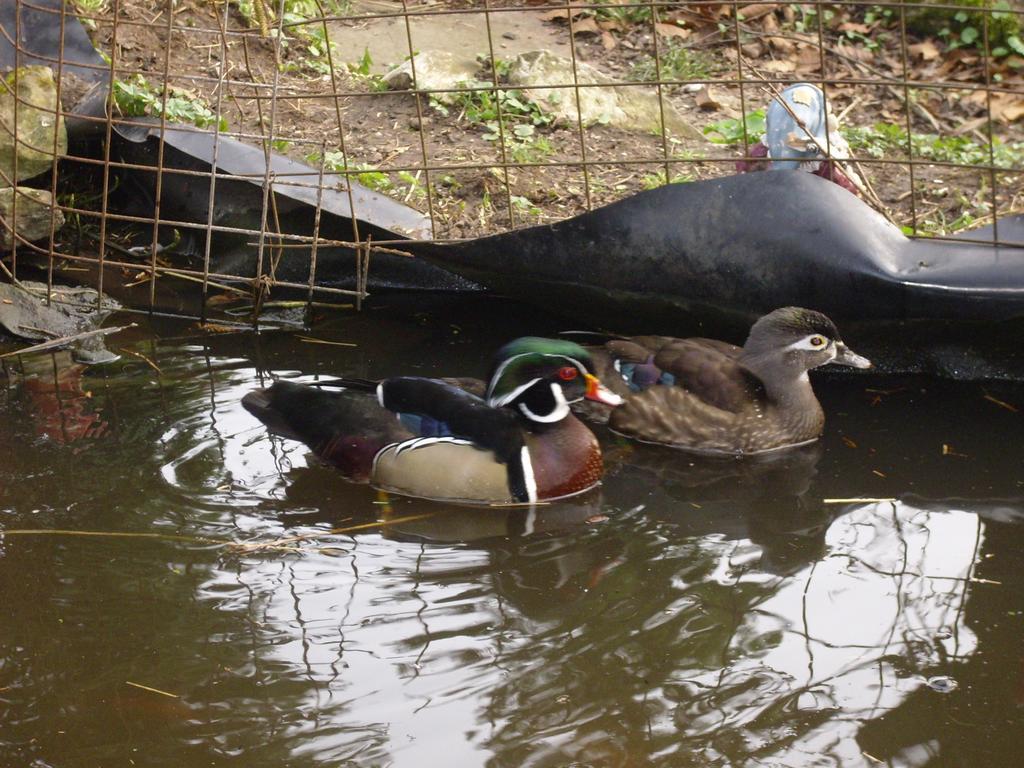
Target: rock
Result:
[[32, 215], [24, 314], [632, 108], [435, 70], [34, 90]]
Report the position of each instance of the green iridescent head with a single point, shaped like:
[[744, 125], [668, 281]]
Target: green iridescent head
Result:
[[540, 377]]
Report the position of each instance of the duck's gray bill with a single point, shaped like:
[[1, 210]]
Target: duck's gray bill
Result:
[[846, 356]]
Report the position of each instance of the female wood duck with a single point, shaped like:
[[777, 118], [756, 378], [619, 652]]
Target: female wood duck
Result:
[[712, 397], [431, 438]]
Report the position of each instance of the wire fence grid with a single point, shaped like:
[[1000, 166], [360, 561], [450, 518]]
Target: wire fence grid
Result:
[[939, 144]]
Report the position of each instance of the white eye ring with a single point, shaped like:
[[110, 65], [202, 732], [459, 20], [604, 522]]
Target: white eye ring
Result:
[[816, 342]]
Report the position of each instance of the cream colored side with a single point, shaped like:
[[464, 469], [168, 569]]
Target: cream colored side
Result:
[[443, 471]]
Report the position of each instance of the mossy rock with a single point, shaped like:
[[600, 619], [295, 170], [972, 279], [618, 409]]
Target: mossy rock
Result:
[[1002, 23], [39, 129], [33, 215]]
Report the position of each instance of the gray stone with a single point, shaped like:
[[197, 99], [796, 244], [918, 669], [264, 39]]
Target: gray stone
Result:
[[434, 70], [31, 217], [38, 122], [24, 314], [632, 108]]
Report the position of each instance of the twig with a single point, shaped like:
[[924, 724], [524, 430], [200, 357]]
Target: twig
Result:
[[145, 359], [311, 340], [152, 690], [65, 340]]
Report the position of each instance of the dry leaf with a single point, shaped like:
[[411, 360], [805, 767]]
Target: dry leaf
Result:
[[754, 50], [756, 10], [926, 50], [672, 30], [705, 99], [607, 41], [852, 26], [1006, 107], [808, 59], [585, 26], [780, 65], [558, 13]]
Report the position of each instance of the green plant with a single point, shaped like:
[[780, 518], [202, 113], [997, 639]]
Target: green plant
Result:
[[882, 138], [524, 206], [500, 112], [136, 97], [657, 179], [677, 63], [361, 71], [302, 19], [730, 130], [958, 27], [91, 8], [622, 11], [400, 184]]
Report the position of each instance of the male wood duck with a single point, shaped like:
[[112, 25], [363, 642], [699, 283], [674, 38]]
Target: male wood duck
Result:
[[708, 396], [431, 438]]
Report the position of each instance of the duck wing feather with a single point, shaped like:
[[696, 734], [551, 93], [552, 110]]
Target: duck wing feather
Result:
[[711, 371]]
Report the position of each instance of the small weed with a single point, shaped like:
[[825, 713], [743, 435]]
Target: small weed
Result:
[[91, 8], [407, 186], [882, 138], [657, 179], [730, 130], [361, 71], [520, 118], [135, 97], [677, 63], [621, 11], [524, 206], [301, 20]]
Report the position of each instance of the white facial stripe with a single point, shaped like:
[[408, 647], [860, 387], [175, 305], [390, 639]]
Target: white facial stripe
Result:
[[560, 411], [510, 396], [528, 478], [380, 394], [805, 344], [501, 370]]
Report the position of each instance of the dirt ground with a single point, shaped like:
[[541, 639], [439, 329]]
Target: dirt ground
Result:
[[393, 136]]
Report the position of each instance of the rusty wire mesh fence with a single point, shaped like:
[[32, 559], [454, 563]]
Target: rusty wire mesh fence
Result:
[[339, 128]]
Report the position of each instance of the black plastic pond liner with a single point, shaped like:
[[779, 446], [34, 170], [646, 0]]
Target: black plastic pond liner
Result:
[[714, 255], [238, 204]]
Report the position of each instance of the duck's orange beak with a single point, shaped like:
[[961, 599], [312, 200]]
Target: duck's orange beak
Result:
[[598, 392]]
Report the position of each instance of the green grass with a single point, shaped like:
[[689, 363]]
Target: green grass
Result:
[[677, 63], [657, 179]]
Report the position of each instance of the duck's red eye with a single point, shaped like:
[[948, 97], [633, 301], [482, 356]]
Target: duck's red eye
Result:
[[568, 373]]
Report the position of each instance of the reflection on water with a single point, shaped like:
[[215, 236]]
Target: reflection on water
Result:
[[688, 612]]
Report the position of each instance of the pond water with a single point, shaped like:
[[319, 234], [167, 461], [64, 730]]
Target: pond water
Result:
[[180, 589]]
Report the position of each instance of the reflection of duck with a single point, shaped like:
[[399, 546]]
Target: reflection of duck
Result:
[[519, 444], [761, 498], [712, 397], [331, 500]]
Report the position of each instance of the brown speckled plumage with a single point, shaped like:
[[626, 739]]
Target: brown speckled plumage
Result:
[[724, 398]]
